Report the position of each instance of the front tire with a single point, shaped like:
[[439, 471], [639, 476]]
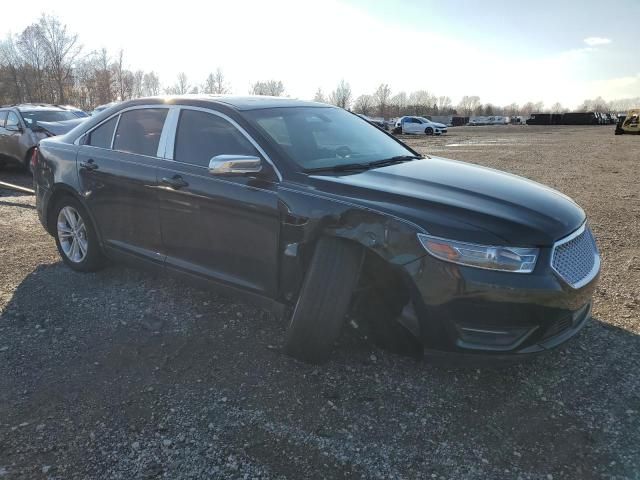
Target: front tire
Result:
[[324, 300], [75, 236], [428, 131]]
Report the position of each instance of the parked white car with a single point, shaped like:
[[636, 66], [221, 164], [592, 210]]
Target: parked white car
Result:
[[419, 125]]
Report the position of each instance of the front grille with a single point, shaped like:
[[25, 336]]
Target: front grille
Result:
[[576, 259]]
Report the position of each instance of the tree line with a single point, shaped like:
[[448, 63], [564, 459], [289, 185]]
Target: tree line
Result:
[[46, 63]]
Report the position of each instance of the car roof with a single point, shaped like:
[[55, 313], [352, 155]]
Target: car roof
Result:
[[246, 102]]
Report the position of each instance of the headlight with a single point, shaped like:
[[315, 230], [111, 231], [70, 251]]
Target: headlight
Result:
[[506, 259]]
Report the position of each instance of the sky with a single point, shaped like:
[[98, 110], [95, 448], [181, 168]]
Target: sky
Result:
[[502, 51]]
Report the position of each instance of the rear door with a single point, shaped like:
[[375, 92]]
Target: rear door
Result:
[[220, 227], [117, 170]]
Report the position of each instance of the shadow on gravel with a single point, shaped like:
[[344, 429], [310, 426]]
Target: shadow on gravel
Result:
[[120, 374]]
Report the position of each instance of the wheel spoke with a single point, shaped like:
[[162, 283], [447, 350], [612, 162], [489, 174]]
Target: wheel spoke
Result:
[[64, 230], [73, 254], [82, 243], [68, 215]]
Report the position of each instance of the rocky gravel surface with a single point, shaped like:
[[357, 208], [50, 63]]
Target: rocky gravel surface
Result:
[[125, 375]]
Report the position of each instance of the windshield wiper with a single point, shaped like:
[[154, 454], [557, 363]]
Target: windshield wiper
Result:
[[392, 160], [340, 168]]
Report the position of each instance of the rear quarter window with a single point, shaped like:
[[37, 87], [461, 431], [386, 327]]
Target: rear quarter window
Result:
[[101, 137]]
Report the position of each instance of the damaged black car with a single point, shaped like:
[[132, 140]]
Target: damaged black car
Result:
[[313, 212]]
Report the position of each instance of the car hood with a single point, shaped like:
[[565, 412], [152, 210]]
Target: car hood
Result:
[[438, 125], [462, 201], [62, 127]]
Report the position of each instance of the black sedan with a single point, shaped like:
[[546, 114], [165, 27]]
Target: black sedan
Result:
[[312, 211]]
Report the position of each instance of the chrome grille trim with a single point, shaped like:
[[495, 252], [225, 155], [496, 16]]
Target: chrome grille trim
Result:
[[595, 268]]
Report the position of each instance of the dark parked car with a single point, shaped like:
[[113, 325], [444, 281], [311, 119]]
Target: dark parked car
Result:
[[78, 112], [377, 122], [23, 126], [311, 210], [580, 118], [102, 108]]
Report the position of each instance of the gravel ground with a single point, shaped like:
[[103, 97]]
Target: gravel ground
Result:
[[123, 375]]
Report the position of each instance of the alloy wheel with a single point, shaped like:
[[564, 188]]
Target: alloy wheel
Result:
[[72, 234]]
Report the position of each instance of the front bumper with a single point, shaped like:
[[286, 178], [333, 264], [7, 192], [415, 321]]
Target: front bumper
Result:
[[467, 310]]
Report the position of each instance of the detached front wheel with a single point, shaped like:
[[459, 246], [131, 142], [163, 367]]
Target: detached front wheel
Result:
[[324, 300]]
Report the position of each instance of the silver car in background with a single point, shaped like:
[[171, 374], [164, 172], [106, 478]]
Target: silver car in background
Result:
[[23, 126]]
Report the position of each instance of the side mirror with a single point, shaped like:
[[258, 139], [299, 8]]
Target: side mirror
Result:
[[234, 165]]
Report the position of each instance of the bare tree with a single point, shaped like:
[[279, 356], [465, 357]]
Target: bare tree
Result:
[[61, 49], [151, 84], [364, 104], [181, 86], [216, 83], [512, 109], [138, 78], [10, 59], [33, 58], [469, 105], [382, 96], [528, 108], [319, 96], [420, 102], [124, 79], [598, 104], [557, 108], [274, 88], [399, 103], [444, 104], [341, 96]]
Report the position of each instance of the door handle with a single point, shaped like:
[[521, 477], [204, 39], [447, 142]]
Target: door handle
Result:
[[89, 165], [174, 182]]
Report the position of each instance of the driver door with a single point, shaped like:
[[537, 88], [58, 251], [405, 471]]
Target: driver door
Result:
[[410, 125], [223, 228]]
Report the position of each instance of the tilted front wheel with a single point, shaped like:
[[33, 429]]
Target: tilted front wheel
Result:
[[75, 236], [428, 131], [324, 300]]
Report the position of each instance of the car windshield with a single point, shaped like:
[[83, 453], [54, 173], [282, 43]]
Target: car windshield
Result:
[[317, 138], [46, 116]]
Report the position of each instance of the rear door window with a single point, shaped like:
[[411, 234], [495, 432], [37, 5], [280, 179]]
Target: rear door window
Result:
[[139, 131], [201, 136], [101, 137], [3, 118]]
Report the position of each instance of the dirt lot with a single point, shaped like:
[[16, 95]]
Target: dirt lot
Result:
[[121, 375]]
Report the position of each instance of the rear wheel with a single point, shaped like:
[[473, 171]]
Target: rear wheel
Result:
[[75, 236], [324, 300]]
